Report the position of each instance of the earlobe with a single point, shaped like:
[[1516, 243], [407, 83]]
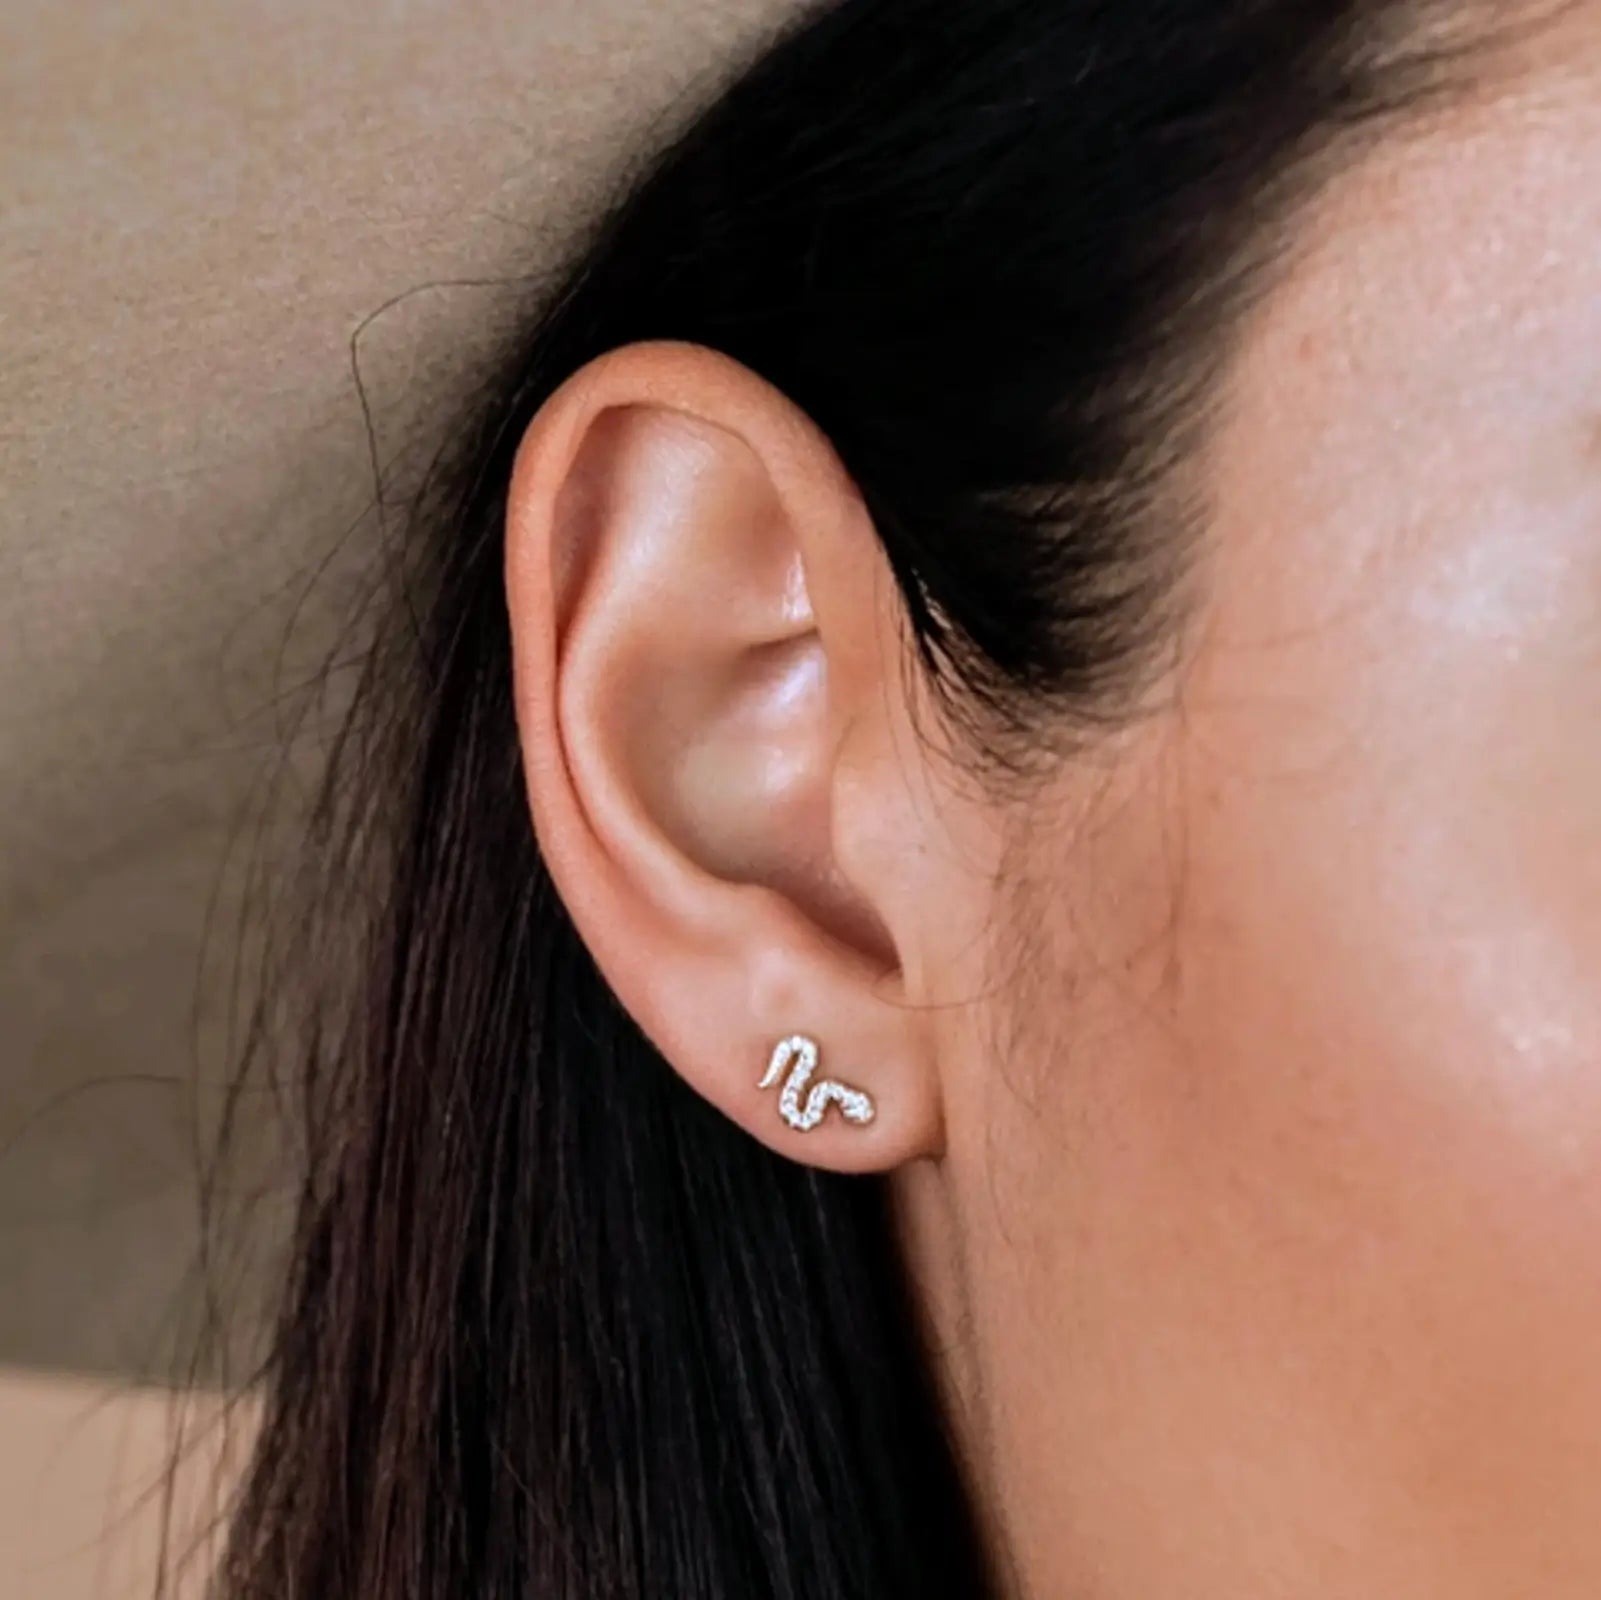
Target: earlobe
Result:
[[697, 653]]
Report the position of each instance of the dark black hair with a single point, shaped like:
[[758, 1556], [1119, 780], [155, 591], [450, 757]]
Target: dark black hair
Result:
[[552, 1326]]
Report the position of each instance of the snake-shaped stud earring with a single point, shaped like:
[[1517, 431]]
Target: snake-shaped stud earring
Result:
[[855, 1104]]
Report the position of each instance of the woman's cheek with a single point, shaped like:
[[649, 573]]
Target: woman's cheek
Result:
[[1372, 1165]]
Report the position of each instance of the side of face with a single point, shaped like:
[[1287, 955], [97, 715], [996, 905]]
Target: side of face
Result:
[[1279, 1170]]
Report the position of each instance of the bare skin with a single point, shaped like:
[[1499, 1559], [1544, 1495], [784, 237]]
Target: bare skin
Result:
[[1242, 1100]]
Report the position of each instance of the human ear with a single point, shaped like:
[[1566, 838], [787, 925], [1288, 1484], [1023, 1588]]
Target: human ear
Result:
[[706, 662]]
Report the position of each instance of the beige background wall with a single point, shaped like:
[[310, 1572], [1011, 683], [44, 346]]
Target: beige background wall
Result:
[[198, 206]]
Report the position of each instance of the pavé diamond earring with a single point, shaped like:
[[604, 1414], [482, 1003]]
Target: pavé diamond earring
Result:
[[854, 1104]]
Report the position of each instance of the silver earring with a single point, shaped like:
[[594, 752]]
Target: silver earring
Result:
[[855, 1104]]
